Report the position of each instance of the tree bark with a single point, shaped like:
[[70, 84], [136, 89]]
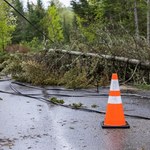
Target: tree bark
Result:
[[148, 22], [136, 20], [143, 64]]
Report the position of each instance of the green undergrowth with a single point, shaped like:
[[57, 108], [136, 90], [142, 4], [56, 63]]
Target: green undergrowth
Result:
[[76, 105], [3, 56], [73, 79], [57, 101], [142, 86]]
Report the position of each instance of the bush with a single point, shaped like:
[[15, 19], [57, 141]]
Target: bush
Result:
[[74, 79], [3, 56], [35, 45], [33, 72], [12, 65]]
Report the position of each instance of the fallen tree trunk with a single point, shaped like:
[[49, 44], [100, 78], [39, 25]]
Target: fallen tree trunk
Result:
[[143, 64]]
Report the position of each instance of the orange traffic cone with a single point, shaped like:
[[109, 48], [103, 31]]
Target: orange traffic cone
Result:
[[114, 117]]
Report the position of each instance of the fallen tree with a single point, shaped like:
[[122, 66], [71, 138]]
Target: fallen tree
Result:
[[143, 64], [74, 69]]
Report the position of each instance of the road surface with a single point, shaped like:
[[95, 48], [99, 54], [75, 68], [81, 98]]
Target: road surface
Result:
[[27, 123]]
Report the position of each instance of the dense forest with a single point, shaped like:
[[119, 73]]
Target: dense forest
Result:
[[116, 28]]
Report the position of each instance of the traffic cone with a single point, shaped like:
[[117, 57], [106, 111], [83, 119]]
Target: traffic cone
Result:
[[114, 117]]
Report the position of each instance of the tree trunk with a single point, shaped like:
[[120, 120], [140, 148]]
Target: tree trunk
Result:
[[136, 20], [148, 22], [143, 64]]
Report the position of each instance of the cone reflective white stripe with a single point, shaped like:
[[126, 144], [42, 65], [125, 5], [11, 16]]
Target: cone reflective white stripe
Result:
[[114, 86], [114, 100]]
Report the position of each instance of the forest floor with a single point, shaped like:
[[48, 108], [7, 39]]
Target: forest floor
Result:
[[27, 123]]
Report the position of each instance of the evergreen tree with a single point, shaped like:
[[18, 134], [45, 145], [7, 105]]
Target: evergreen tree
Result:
[[66, 15], [53, 24], [40, 12], [113, 13], [84, 10], [35, 15], [66, 29], [19, 33]]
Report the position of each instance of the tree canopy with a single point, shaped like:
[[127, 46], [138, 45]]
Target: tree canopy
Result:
[[7, 25]]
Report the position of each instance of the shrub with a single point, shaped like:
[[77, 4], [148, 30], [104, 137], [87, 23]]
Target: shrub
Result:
[[74, 79], [34, 72], [12, 65]]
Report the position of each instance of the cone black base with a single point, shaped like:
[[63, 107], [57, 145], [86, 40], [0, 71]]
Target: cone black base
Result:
[[127, 126]]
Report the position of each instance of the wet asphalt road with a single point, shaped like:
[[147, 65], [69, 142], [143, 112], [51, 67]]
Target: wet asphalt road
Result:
[[27, 123]]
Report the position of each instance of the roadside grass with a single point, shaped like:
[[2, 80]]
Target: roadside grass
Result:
[[142, 86]]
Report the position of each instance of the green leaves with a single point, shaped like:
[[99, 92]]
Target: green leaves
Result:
[[53, 24], [7, 24]]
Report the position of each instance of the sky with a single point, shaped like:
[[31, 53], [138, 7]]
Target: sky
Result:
[[46, 2]]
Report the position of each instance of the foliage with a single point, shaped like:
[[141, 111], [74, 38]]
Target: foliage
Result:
[[116, 12], [32, 68], [53, 25], [110, 14], [35, 15], [35, 45], [12, 65], [19, 32], [76, 105], [57, 101], [84, 10], [66, 15], [103, 27], [33, 71], [75, 79], [142, 86], [7, 25], [3, 56]]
